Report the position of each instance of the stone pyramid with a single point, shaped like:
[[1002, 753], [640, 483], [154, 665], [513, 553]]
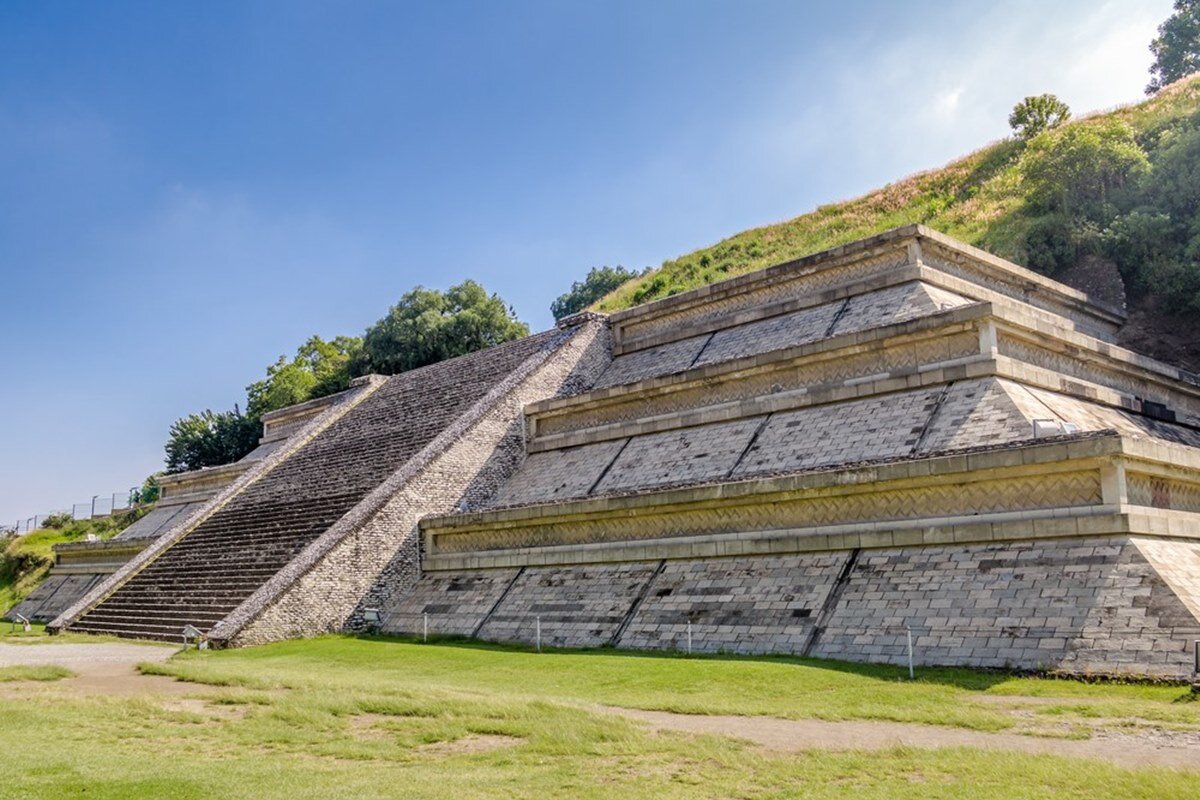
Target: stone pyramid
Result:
[[903, 435]]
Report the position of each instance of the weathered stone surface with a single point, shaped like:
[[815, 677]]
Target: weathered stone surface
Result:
[[739, 605], [53, 596], [453, 603], [580, 606]]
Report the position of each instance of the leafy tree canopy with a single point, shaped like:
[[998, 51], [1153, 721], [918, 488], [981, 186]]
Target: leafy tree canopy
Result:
[[1038, 114], [210, 439], [428, 326], [319, 368], [424, 327], [1176, 49], [599, 282]]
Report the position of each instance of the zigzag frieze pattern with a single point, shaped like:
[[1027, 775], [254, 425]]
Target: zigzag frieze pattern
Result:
[[771, 293], [1065, 489], [1157, 492], [759, 382]]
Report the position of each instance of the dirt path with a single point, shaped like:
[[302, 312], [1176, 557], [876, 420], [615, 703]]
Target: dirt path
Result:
[[1132, 750], [102, 668]]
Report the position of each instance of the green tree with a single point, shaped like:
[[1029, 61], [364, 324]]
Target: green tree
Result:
[[428, 326], [1176, 49], [210, 439], [1038, 114], [1080, 170], [599, 282], [319, 368]]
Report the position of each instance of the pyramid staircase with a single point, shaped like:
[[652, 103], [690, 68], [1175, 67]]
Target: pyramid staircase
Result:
[[326, 481]]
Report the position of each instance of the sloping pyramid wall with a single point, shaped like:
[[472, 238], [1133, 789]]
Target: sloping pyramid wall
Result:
[[902, 436]]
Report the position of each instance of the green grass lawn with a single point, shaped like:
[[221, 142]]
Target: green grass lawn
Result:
[[24, 673], [343, 717]]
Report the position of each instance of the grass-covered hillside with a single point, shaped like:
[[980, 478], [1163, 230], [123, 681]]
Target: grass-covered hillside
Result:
[[25, 560], [1120, 188]]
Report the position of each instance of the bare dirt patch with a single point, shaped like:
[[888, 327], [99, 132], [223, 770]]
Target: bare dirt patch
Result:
[[470, 745], [202, 707], [783, 735], [101, 668]]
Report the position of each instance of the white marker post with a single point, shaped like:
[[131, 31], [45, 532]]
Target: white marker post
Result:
[[538, 623], [908, 630], [425, 628]]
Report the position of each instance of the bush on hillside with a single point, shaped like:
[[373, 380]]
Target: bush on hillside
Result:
[[1084, 171], [1050, 244], [57, 520], [319, 368], [210, 439], [1138, 239], [428, 326]]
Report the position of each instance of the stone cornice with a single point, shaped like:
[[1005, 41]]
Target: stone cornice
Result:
[[993, 274]]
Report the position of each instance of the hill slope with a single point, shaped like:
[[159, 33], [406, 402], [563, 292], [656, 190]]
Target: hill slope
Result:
[[1015, 199]]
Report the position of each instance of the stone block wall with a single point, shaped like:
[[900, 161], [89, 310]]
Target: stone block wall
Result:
[[578, 606], [1101, 605], [743, 605], [1083, 605], [452, 603]]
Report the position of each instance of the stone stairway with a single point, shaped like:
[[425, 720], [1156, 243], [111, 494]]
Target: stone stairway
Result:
[[212, 571]]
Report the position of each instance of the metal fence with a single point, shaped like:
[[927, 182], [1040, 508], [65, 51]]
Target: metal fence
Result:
[[100, 505]]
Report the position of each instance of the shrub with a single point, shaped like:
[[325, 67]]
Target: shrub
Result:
[[1081, 170], [1050, 244], [1138, 239], [59, 519]]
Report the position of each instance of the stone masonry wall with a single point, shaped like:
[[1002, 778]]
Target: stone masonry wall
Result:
[[578, 606], [373, 552], [1103, 605]]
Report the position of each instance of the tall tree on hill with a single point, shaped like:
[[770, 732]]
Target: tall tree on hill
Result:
[[210, 439], [1177, 47], [319, 368], [428, 326], [1036, 114], [599, 282]]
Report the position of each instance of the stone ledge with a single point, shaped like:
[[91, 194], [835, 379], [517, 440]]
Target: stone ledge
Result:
[[1084, 522], [1014, 457], [1059, 454], [1016, 281], [852, 287]]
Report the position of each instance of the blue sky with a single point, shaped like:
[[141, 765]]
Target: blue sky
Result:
[[189, 190]]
